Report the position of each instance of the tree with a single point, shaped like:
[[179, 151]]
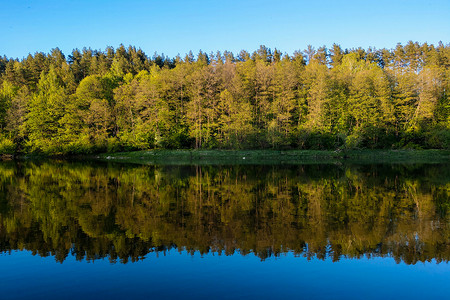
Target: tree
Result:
[[336, 54], [143, 117], [7, 93], [284, 103], [202, 108], [16, 114], [234, 120], [430, 92], [46, 109], [406, 97], [316, 79]]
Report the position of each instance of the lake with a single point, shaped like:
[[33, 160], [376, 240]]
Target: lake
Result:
[[96, 230]]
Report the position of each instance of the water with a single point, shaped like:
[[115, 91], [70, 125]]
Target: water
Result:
[[93, 230]]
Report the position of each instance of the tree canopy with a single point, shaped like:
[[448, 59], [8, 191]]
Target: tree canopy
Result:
[[122, 99]]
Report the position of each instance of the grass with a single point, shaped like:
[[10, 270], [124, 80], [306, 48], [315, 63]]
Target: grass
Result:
[[220, 157]]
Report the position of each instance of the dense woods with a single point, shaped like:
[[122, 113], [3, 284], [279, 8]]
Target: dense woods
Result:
[[123, 211], [121, 99]]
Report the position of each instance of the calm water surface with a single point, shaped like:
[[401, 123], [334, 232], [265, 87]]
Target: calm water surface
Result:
[[92, 230]]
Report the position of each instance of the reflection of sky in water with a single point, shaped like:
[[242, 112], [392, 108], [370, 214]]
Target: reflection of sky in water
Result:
[[178, 275]]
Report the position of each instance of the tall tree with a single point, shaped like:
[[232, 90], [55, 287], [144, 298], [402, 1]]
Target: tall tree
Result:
[[46, 109]]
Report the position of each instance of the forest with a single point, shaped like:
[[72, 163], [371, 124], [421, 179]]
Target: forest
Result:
[[120, 99]]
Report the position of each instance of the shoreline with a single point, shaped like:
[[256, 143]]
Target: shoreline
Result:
[[220, 157]]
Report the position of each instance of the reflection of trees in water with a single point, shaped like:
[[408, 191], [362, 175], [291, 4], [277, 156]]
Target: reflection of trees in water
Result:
[[123, 212]]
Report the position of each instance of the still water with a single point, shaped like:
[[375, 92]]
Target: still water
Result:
[[71, 230]]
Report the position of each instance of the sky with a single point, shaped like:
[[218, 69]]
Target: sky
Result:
[[175, 27]]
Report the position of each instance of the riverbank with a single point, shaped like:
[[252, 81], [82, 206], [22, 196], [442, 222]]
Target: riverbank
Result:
[[207, 157]]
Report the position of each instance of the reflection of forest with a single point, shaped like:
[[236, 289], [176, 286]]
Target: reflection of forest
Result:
[[123, 211]]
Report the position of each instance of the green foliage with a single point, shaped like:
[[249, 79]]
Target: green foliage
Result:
[[7, 145], [7, 93], [113, 145], [46, 109], [316, 99], [439, 139], [353, 141]]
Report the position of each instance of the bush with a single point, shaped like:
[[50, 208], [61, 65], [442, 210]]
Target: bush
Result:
[[7, 146], [353, 141], [113, 145], [439, 139]]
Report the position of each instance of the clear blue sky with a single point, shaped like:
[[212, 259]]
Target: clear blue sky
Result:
[[173, 27]]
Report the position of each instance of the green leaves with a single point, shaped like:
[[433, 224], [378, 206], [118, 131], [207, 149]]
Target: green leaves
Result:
[[375, 98]]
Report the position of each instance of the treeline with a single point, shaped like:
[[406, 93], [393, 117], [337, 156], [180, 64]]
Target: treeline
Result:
[[121, 99], [123, 211]]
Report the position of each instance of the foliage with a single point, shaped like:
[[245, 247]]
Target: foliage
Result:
[[120, 99], [7, 146]]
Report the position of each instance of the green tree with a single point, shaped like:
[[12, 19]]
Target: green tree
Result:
[[46, 108]]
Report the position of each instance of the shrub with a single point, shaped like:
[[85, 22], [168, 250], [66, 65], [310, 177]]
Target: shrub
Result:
[[353, 141], [7, 146], [439, 139]]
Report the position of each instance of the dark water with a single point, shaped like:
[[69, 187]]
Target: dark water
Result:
[[90, 230]]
